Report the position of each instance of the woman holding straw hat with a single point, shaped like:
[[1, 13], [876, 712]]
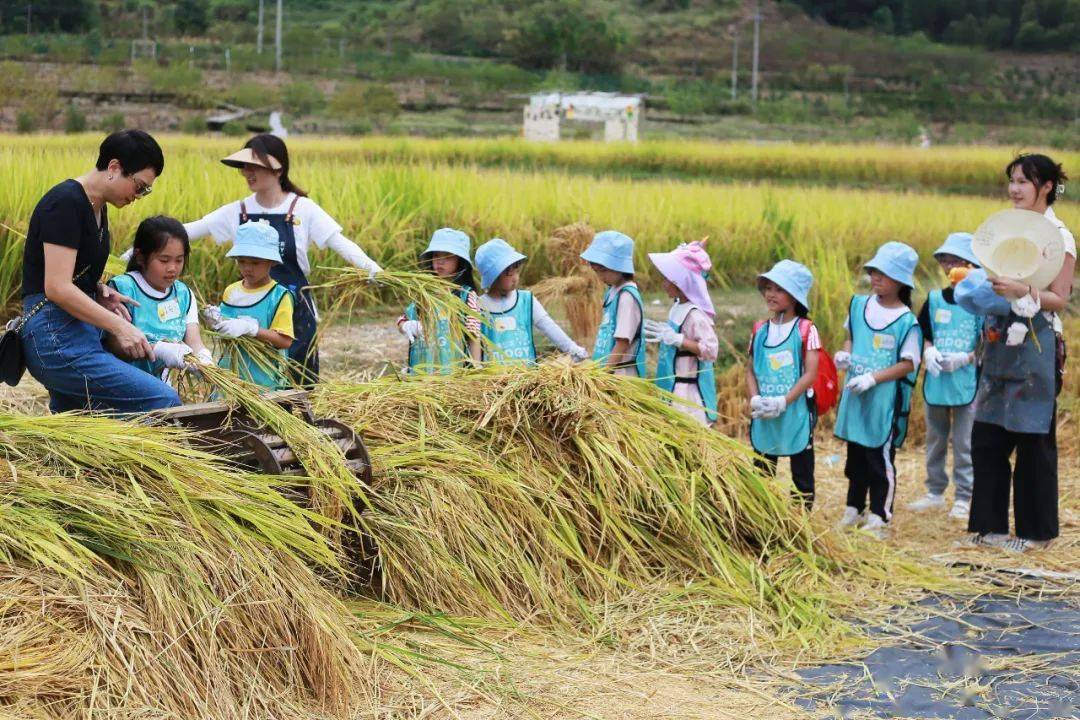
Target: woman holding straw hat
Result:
[[1029, 257], [300, 222]]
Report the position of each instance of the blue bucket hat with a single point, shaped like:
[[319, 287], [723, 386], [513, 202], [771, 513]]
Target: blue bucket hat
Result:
[[793, 278], [256, 240], [959, 244], [493, 257], [897, 261], [976, 295], [449, 240], [613, 250]]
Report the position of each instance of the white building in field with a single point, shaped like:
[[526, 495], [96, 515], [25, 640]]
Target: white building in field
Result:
[[619, 113]]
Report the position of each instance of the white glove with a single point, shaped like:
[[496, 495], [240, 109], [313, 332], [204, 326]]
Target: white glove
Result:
[[1016, 334], [373, 271], [212, 315], [862, 383], [842, 360], [774, 406], [953, 361], [238, 327], [579, 354], [1026, 307], [932, 360], [757, 406], [205, 356], [662, 333], [412, 330], [170, 354]]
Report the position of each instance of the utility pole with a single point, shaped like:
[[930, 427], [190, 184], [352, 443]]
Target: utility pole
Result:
[[277, 39], [145, 24], [757, 48], [259, 37], [734, 61]]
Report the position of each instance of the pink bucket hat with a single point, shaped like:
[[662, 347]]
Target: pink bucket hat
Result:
[[686, 267]]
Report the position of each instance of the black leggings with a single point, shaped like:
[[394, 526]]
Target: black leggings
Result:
[[802, 472]]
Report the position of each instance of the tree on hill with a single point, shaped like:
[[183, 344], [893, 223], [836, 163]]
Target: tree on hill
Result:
[[69, 16]]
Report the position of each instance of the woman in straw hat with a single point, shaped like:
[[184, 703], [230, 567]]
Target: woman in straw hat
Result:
[[1022, 360], [300, 222]]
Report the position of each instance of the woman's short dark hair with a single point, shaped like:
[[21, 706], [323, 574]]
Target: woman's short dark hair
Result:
[[135, 150], [266, 146], [1039, 169], [152, 235]]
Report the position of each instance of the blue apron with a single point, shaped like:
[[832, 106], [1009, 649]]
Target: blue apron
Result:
[[303, 353], [1017, 384], [955, 330], [511, 333], [882, 411], [704, 378], [605, 334], [440, 359], [160, 319], [264, 311], [777, 369]]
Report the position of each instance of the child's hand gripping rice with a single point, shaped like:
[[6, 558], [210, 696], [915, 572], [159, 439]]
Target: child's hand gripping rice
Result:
[[688, 343], [784, 357], [511, 313], [618, 342], [950, 336], [881, 354]]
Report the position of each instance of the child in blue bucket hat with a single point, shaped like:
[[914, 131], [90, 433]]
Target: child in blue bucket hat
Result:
[[257, 305], [950, 337], [784, 352], [511, 314], [447, 255], [881, 356], [618, 343]]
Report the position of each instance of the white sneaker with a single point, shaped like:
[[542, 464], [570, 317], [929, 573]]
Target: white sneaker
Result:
[[875, 525], [1019, 545], [988, 540], [849, 518], [960, 510], [929, 501]]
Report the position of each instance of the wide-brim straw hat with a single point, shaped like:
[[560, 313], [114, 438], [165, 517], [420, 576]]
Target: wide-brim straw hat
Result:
[[247, 156], [1021, 245]]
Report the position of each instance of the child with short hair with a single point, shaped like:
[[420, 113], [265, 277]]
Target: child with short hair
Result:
[[688, 343], [448, 255], [512, 314], [881, 357], [257, 305], [166, 312], [618, 343], [950, 337], [781, 374]]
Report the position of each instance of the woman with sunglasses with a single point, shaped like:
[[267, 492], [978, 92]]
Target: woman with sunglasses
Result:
[[67, 309], [300, 222]]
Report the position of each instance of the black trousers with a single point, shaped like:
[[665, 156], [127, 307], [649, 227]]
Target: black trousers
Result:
[[871, 472], [1035, 476], [802, 472]]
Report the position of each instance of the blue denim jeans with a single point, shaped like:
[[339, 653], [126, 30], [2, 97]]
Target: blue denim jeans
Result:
[[67, 357]]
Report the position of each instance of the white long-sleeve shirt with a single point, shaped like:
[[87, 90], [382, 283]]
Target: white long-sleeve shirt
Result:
[[542, 321]]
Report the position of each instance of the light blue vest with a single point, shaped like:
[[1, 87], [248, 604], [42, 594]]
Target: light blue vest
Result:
[[955, 330], [704, 378], [511, 333], [868, 419], [605, 334], [160, 319], [263, 310], [439, 358], [777, 369]]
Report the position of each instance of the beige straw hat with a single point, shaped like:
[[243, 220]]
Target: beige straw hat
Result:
[[247, 156], [1022, 245]]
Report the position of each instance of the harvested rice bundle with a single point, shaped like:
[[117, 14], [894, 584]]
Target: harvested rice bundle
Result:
[[543, 494], [576, 286], [141, 577]]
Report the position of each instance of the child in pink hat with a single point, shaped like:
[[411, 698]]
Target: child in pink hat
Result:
[[688, 343]]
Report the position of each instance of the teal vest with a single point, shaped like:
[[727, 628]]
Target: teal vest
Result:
[[955, 330], [704, 378], [437, 358], [869, 419], [160, 319], [263, 310], [605, 334], [777, 370], [510, 333]]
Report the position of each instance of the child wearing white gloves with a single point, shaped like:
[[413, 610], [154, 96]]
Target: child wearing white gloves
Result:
[[512, 314]]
